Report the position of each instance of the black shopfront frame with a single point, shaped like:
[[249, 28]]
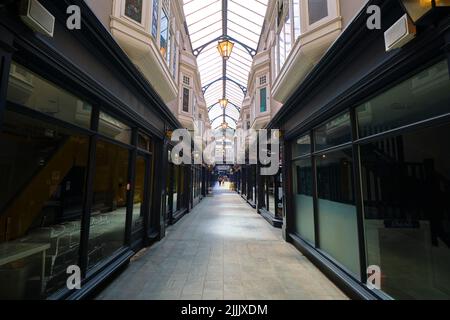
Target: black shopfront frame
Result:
[[431, 46], [185, 201], [263, 204], [18, 43], [355, 145], [131, 244], [252, 185]]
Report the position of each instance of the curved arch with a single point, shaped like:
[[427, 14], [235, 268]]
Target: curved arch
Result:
[[220, 127], [227, 116], [242, 87], [252, 52], [229, 102]]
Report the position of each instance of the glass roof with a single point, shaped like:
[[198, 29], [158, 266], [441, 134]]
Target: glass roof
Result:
[[205, 21]]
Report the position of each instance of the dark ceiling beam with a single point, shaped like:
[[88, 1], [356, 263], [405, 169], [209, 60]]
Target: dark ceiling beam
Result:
[[224, 62], [224, 17], [220, 128], [229, 102], [242, 87], [252, 52], [228, 116]]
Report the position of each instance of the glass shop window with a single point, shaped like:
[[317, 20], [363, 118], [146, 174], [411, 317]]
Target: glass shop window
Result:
[[43, 170], [178, 188], [144, 142], [112, 128], [27, 89], [406, 192], [285, 40], [336, 132], [168, 190], [175, 62], [297, 21], [317, 10], [155, 19], [164, 36], [419, 98], [139, 194], [271, 192], [302, 146], [133, 10], [338, 229], [186, 99], [109, 208], [263, 100], [303, 199]]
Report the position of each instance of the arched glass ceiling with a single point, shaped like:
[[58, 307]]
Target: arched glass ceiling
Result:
[[207, 20]]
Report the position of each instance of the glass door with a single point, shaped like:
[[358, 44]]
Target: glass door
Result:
[[142, 194]]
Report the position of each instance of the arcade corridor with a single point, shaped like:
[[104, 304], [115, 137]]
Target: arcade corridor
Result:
[[327, 120], [222, 250]]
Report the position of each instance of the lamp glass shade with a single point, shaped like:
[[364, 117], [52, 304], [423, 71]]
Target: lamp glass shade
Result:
[[225, 48], [419, 8], [223, 103]]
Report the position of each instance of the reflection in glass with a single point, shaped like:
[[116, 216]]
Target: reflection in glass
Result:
[[264, 200], [43, 174], [418, 9], [186, 99], [144, 142], [297, 17], [139, 194], [168, 190], [302, 147], [178, 188], [200, 186], [317, 10], [336, 132], [285, 44], [133, 10], [155, 18], [406, 190], [263, 100], [175, 188], [338, 230], [303, 199], [244, 182], [182, 197], [251, 184], [197, 182], [29, 90], [112, 128], [164, 38], [109, 207], [422, 96], [271, 205]]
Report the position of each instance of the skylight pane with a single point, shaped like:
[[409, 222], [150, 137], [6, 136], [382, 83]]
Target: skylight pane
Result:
[[204, 21]]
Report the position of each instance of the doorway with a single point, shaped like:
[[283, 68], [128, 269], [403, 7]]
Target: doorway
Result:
[[141, 215]]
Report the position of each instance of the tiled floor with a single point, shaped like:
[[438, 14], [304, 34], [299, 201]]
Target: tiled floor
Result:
[[222, 250]]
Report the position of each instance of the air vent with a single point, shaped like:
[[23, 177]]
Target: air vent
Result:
[[38, 18]]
